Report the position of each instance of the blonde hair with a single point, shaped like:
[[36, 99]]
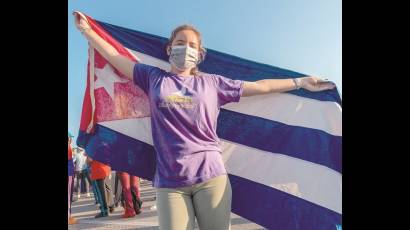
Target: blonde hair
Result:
[[202, 50]]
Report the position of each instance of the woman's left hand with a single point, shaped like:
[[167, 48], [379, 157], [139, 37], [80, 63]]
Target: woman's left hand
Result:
[[315, 84]]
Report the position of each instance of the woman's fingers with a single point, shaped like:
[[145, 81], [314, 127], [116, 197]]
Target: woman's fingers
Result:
[[80, 22], [317, 84], [77, 20], [324, 85]]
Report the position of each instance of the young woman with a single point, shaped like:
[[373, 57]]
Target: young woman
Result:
[[191, 180]]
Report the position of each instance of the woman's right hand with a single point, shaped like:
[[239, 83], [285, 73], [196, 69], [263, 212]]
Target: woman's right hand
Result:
[[81, 23], [120, 62]]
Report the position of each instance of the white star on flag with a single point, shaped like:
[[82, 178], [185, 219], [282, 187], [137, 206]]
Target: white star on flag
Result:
[[106, 77]]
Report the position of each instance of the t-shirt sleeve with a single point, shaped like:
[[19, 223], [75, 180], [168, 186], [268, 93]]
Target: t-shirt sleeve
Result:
[[228, 90], [142, 74]]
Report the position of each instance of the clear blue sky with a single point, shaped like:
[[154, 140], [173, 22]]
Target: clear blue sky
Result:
[[304, 36]]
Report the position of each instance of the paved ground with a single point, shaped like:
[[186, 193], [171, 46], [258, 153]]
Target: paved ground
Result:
[[84, 211]]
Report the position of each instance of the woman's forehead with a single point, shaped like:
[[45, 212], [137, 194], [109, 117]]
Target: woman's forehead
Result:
[[186, 35]]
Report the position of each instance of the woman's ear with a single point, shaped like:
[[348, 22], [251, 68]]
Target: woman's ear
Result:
[[168, 50]]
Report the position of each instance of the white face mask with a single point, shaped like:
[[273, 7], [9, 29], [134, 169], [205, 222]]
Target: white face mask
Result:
[[183, 57]]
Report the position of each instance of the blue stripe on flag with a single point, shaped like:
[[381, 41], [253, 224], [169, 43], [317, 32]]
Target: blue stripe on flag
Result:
[[277, 209], [215, 62], [121, 152]]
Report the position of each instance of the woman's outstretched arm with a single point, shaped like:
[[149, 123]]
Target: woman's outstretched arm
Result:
[[266, 86], [121, 63]]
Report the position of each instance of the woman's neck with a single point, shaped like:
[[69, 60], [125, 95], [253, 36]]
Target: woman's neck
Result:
[[185, 73]]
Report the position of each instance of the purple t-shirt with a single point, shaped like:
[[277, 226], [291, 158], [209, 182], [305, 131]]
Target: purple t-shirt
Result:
[[184, 112]]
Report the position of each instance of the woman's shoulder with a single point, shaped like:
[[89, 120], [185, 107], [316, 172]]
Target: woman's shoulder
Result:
[[209, 77]]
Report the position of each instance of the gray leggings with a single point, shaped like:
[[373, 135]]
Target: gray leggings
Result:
[[209, 202]]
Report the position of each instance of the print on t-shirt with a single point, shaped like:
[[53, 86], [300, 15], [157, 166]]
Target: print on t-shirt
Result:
[[179, 99]]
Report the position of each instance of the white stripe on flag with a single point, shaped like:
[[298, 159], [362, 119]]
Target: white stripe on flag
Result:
[[307, 180], [281, 107]]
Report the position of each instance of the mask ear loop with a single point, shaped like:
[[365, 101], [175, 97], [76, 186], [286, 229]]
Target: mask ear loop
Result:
[[202, 54]]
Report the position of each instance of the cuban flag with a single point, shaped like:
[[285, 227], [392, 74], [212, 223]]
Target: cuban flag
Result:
[[283, 151]]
